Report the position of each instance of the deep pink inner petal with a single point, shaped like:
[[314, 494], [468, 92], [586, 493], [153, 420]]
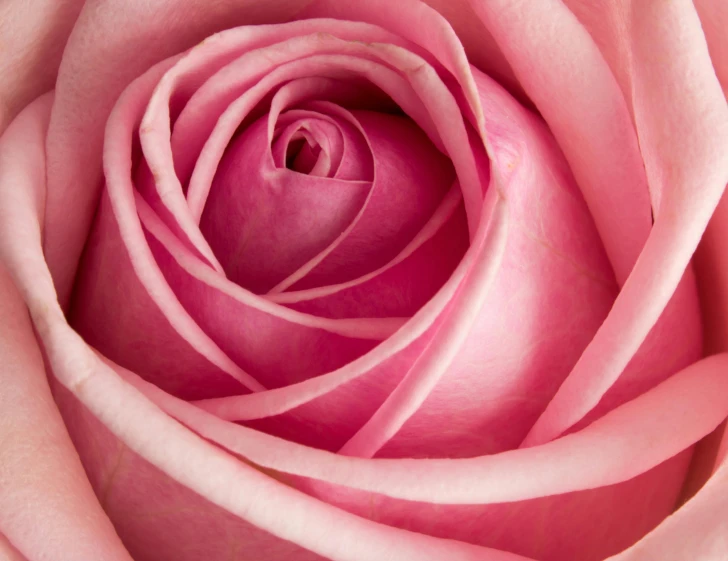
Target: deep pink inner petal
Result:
[[411, 178], [311, 143], [403, 285], [264, 220]]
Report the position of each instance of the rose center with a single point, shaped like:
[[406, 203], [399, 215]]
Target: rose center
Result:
[[303, 156], [308, 144], [315, 193]]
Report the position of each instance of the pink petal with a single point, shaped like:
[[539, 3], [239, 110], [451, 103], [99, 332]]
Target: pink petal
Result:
[[594, 457], [33, 41], [42, 485], [556, 62], [406, 283], [374, 374], [320, 136], [190, 459], [133, 308], [154, 343], [713, 19], [692, 140], [432, 34], [421, 94], [237, 488], [662, 423], [127, 39], [248, 327], [263, 221], [532, 325], [8, 552], [140, 336], [695, 531], [711, 259], [480, 46], [410, 179]]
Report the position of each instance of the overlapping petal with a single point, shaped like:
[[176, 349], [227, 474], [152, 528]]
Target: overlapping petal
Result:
[[522, 323]]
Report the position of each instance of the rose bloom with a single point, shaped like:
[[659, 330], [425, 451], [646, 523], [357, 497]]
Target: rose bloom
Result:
[[363, 280]]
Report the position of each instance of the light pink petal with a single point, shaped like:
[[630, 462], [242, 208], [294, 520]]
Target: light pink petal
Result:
[[393, 356], [480, 46], [33, 38], [437, 358], [419, 92], [556, 61], [126, 38], [118, 152], [432, 34], [662, 423], [192, 126], [601, 531], [524, 370], [113, 311], [312, 143], [172, 94], [190, 460], [711, 258], [238, 488], [711, 255], [607, 23], [682, 118], [43, 489], [8, 552], [580, 526], [103, 262]]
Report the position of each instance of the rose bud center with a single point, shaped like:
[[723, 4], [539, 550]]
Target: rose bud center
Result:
[[322, 193]]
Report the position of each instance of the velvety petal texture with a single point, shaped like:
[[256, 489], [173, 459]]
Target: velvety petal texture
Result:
[[353, 281], [42, 484]]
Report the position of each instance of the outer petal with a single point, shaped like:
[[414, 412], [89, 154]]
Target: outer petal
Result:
[[8, 552], [714, 18], [692, 139], [698, 530], [32, 38], [626, 442], [42, 484], [711, 258], [112, 43], [651, 426], [480, 46], [557, 62]]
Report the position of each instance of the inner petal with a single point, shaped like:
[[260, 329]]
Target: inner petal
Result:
[[411, 179], [305, 156], [309, 143], [262, 219]]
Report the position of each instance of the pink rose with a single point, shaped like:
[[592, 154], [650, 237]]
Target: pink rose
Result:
[[363, 281]]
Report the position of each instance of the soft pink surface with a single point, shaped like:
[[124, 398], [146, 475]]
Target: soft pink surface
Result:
[[32, 50], [43, 489], [568, 307], [8, 552]]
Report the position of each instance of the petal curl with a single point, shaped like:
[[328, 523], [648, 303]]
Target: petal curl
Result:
[[681, 117], [127, 39], [41, 480]]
